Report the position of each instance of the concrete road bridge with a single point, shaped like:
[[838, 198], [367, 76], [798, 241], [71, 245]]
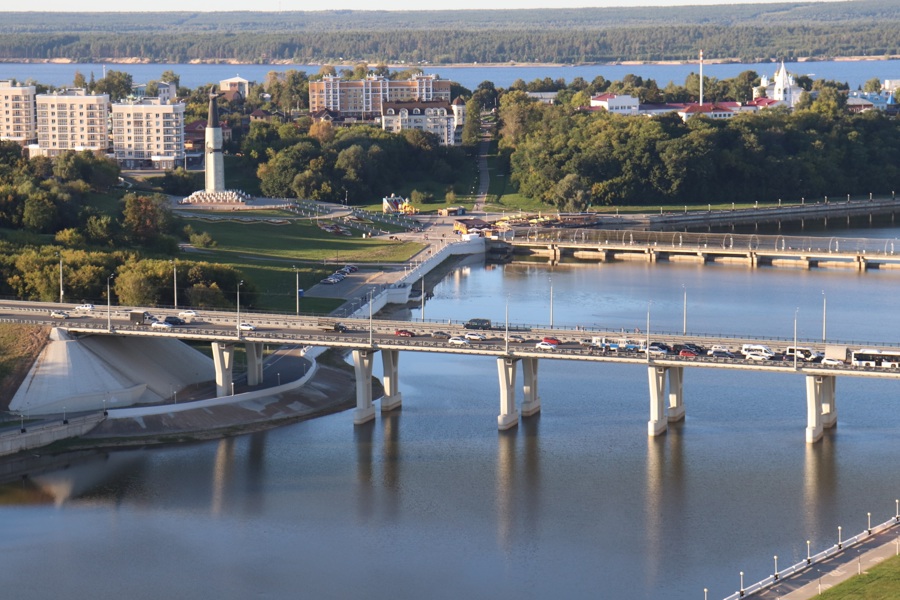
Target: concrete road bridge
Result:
[[509, 345], [748, 249]]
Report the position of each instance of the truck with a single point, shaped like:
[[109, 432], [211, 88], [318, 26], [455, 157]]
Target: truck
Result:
[[332, 325], [140, 317]]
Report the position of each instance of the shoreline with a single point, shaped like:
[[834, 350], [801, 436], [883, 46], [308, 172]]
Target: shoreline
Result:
[[401, 66]]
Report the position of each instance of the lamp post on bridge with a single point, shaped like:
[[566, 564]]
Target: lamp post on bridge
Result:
[[297, 287], [60, 277], [551, 302], [647, 344], [796, 310], [174, 283], [238, 324], [824, 304], [684, 312], [109, 303], [370, 317], [506, 332]]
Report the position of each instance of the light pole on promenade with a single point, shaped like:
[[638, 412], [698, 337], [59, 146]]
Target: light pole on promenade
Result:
[[238, 324], [109, 303]]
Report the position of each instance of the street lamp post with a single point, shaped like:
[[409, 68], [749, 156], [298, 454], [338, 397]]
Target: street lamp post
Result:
[[776, 566], [824, 304], [174, 284], [742, 584], [840, 542], [684, 312], [796, 310], [647, 344], [60, 277], [297, 287], [506, 332], [551, 303], [370, 317], [238, 324], [109, 303], [808, 557]]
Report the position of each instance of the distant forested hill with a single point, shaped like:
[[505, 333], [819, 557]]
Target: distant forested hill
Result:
[[744, 32]]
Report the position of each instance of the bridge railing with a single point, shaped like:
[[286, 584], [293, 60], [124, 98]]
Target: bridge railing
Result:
[[705, 241]]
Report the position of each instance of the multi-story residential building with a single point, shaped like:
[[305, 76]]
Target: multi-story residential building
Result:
[[436, 116], [148, 133], [71, 120], [363, 98], [17, 113], [235, 85]]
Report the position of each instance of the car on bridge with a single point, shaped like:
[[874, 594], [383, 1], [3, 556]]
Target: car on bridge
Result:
[[187, 315], [551, 340], [832, 362], [757, 356], [441, 335], [458, 341], [517, 339], [687, 353], [546, 346], [59, 314], [174, 320], [721, 354], [85, 308], [160, 325], [475, 336], [404, 333], [247, 327]]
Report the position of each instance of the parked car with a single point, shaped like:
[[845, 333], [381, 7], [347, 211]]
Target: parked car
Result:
[[329, 281], [247, 327], [458, 341], [85, 308], [351, 268], [59, 314], [160, 325], [542, 345], [404, 333], [474, 335], [551, 340], [441, 335]]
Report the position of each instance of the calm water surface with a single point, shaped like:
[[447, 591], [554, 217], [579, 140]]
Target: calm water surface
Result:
[[433, 502]]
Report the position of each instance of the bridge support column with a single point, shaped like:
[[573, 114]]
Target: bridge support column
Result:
[[362, 364], [676, 395], [531, 403], [509, 416], [223, 360], [814, 392], [657, 424], [254, 362], [391, 381], [829, 408]]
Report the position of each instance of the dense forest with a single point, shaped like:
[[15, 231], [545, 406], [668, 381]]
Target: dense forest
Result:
[[735, 32]]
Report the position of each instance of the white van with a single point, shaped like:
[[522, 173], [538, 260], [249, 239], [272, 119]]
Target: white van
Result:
[[757, 349], [802, 352]]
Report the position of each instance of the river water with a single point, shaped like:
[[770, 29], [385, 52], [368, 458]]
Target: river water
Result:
[[854, 73], [433, 502]]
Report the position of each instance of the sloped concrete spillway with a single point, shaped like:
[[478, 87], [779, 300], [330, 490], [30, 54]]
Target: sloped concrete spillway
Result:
[[97, 372]]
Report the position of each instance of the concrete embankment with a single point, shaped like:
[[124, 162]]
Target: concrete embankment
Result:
[[44, 434]]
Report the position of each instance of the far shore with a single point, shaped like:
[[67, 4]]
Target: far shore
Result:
[[402, 66]]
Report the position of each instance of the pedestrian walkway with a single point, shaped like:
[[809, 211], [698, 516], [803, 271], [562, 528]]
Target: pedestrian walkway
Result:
[[836, 565]]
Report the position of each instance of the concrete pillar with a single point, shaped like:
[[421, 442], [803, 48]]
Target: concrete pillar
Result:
[[657, 423], [223, 360], [813, 408], [829, 408], [531, 403], [676, 394], [509, 416], [362, 364], [254, 362], [391, 382]]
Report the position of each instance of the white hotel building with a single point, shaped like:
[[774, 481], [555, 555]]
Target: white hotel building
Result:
[[17, 118], [71, 120], [148, 133]]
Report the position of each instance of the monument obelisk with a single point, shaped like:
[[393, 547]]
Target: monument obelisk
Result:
[[215, 165]]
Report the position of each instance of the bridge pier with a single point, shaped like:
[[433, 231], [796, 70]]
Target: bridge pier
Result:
[[391, 380], [657, 424], [531, 403], [509, 416], [362, 364], [254, 362], [676, 397], [223, 360], [821, 411]]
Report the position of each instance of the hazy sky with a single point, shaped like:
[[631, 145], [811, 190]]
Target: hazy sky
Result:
[[297, 5]]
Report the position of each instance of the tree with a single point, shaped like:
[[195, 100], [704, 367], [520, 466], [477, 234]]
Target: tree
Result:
[[170, 76], [471, 132], [146, 218], [872, 85], [117, 84], [39, 214], [79, 81]]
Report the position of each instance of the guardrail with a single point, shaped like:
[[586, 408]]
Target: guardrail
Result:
[[812, 559]]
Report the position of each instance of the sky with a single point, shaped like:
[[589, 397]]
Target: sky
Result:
[[300, 5]]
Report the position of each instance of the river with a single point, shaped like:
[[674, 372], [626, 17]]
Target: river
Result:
[[433, 502], [854, 73]]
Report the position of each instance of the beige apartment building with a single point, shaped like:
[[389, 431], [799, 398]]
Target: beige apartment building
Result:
[[363, 98], [17, 113], [71, 120], [148, 133], [438, 117]]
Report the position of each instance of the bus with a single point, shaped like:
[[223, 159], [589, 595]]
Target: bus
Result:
[[871, 357]]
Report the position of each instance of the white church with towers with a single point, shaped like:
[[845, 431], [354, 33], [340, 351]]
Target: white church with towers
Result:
[[781, 88]]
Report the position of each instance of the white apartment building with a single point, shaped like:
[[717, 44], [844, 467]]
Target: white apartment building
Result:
[[235, 84], [17, 113], [622, 104], [437, 117], [71, 120], [363, 98], [148, 133]]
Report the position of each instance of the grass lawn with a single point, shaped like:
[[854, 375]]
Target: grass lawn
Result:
[[881, 582]]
